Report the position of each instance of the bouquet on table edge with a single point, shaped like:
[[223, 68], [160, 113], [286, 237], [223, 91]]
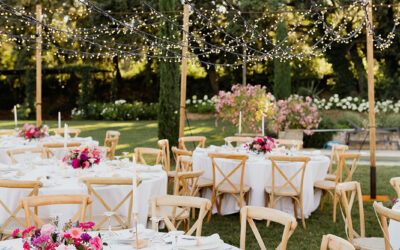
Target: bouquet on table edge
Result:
[[29, 131], [72, 238], [262, 144], [83, 158]]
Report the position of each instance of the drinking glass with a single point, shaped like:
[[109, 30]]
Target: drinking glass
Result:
[[110, 233], [156, 239]]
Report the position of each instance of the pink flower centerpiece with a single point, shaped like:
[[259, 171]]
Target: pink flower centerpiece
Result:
[[48, 238], [29, 131], [262, 144], [84, 158]]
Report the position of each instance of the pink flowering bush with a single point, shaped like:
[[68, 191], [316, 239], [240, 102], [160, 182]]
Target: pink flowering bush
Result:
[[83, 158], [296, 112], [29, 131], [252, 101]]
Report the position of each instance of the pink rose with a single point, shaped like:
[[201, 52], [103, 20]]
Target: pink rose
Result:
[[75, 163], [26, 245], [47, 229], [259, 140], [96, 243], [75, 232], [85, 164]]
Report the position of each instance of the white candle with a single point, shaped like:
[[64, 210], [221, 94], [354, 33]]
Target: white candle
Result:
[[15, 116], [240, 122], [135, 208], [65, 137], [59, 119], [262, 124]]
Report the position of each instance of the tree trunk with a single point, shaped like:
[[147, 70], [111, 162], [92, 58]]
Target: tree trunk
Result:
[[359, 66], [212, 76]]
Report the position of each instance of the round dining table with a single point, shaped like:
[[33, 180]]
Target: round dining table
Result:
[[60, 178], [258, 175]]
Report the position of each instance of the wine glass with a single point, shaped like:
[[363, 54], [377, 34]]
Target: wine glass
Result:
[[118, 157], [125, 154], [156, 239], [110, 233]]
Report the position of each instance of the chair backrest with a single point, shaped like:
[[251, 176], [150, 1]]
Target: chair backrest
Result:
[[186, 183], [239, 168], [333, 242], [111, 134], [176, 152], [60, 145], [91, 181], [337, 149], [236, 139], [385, 214], [37, 201], [395, 182], [348, 193], [292, 180], [74, 131], [166, 158], [248, 213], [45, 153], [185, 203], [201, 141], [155, 152], [111, 145], [184, 164], [344, 171], [7, 132], [33, 185], [297, 144]]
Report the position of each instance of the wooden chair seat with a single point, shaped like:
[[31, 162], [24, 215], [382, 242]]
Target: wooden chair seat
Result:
[[171, 174], [371, 243], [205, 182], [180, 214], [227, 188], [330, 177], [286, 191], [325, 184]]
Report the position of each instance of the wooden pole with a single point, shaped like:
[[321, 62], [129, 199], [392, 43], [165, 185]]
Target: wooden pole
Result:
[[244, 66], [38, 66], [371, 100], [184, 69]]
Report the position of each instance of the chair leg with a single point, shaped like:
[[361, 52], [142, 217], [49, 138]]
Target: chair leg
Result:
[[266, 199], [334, 206], [294, 208], [271, 206], [302, 213], [323, 199]]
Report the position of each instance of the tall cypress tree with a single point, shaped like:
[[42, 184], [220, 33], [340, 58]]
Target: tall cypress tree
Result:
[[282, 81], [168, 115]]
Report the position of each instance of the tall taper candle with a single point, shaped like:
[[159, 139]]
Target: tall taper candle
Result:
[[240, 122], [65, 137], [15, 116], [59, 119], [262, 124], [135, 208]]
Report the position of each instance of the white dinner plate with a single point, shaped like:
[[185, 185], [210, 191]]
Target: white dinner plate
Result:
[[214, 245]]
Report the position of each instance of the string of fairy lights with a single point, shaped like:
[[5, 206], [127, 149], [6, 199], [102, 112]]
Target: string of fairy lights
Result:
[[136, 34]]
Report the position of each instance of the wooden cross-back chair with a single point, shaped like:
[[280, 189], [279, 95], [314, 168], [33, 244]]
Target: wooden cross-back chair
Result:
[[342, 170], [200, 140], [45, 153], [337, 149], [181, 206], [111, 134], [297, 144], [176, 152], [73, 131], [236, 139], [395, 182], [384, 214], [155, 152], [49, 146], [332, 242], [248, 213], [166, 158], [348, 193], [44, 200], [13, 222], [286, 187], [123, 221], [239, 190], [110, 145]]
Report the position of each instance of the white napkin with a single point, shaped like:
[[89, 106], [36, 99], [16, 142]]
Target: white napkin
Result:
[[189, 241]]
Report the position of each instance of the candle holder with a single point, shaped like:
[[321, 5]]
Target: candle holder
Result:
[[138, 244]]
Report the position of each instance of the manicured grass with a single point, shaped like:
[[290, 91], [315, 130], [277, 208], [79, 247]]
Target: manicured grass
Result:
[[144, 134]]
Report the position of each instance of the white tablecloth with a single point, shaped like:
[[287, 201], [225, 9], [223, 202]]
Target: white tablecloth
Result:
[[13, 142], [64, 180], [394, 229], [258, 174]]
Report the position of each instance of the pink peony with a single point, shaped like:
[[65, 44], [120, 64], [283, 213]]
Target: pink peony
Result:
[[47, 229], [85, 164], [96, 243], [75, 163], [75, 232], [259, 140]]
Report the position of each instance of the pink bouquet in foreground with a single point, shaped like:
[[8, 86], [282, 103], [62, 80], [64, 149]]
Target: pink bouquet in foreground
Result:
[[47, 238], [262, 144], [29, 131], [83, 158]]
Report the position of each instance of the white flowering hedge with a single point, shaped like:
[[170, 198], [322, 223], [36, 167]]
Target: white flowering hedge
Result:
[[356, 104], [201, 105]]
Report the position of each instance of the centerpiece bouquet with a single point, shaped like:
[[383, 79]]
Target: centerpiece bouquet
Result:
[[83, 158], [262, 144], [29, 131], [70, 238]]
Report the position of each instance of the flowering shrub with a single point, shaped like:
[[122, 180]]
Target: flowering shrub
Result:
[[251, 101], [262, 144], [29, 131], [203, 106], [48, 238], [118, 110], [83, 158], [295, 113], [356, 104]]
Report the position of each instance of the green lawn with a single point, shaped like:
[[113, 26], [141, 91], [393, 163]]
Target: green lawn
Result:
[[144, 133]]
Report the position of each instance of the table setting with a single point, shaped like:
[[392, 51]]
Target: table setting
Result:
[[258, 173]]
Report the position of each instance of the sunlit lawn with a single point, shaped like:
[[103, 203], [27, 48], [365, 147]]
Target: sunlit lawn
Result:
[[144, 133]]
